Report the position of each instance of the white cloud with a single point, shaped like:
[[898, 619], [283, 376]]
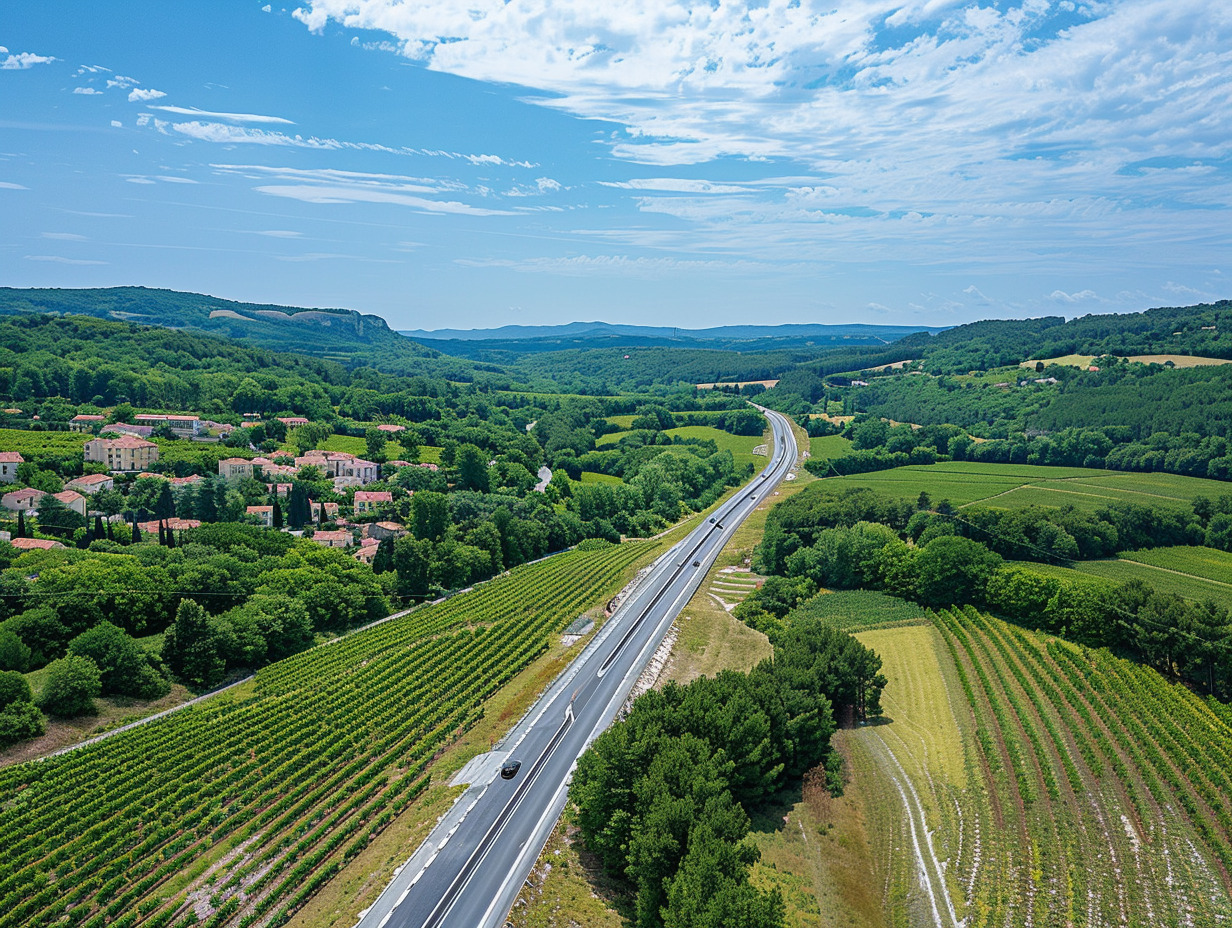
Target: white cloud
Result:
[[1060, 296], [676, 185], [144, 95], [122, 82], [541, 186], [172, 179], [7, 185], [116, 124], [279, 233], [266, 8], [233, 117], [57, 259], [87, 91], [64, 236], [22, 61], [936, 129]]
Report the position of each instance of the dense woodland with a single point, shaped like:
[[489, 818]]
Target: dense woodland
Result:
[[663, 797]]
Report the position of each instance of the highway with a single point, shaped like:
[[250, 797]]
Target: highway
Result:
[[469, 870]]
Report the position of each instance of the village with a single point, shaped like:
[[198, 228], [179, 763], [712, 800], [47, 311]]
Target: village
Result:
[[120, 464]]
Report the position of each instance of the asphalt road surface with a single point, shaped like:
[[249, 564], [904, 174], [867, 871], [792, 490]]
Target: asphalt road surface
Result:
[[469, 871]]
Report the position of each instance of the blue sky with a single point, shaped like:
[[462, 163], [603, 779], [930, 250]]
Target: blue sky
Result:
[[645, 161]]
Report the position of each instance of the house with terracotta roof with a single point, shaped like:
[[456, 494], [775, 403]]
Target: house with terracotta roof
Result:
[[264, 514], [292, 421], [8, 465], [22, 500], [338, 539], [173, 524], [74, 501], [368, 501], [366, 552], [235, 468], [91, 483], [391, 429], [34, 544], [85, 422], [126, 453], [185, 481]]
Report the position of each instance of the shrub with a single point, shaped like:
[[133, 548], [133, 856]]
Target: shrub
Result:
[[72, 683]]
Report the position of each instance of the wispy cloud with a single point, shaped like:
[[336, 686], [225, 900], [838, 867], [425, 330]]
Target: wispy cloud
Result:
[[330, 186], [621, 266], [87, 91], [233, 117], [58, 259], [9, 185], [224, 134], [21, 61], [278, 233], [64, 236]]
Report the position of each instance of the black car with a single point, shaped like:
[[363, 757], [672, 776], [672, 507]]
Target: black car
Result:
[[697, 563], [712, 520], [510, 769]]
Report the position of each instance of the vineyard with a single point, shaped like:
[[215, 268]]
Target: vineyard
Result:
[[235, 811], [861, 610], [1096, 792]]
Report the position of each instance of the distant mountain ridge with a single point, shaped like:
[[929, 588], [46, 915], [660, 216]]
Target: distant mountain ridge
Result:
[[575, 330], [322, 332]]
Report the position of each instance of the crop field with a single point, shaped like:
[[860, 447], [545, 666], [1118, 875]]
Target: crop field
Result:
[[741, 446], [1166, 580], [1096, 793], [861, 610], [31, 444], [1012, 486], [829, 446], [237, 810], [592, 477], [1210, 564]]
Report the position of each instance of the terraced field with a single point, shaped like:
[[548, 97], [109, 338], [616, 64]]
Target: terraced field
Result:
[[1085, 790], [1012, 486], [237, 810]]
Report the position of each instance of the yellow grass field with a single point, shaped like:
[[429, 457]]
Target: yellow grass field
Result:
[[1178, 360]]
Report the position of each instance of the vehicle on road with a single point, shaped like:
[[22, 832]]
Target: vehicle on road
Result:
[[510, 769], [712, 520], [697, 563]]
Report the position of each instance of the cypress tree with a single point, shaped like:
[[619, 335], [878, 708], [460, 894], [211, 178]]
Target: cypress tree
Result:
[[21, 524], [136, 531], [277, 517], [162, 533], [170, 538], [99, 531]]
